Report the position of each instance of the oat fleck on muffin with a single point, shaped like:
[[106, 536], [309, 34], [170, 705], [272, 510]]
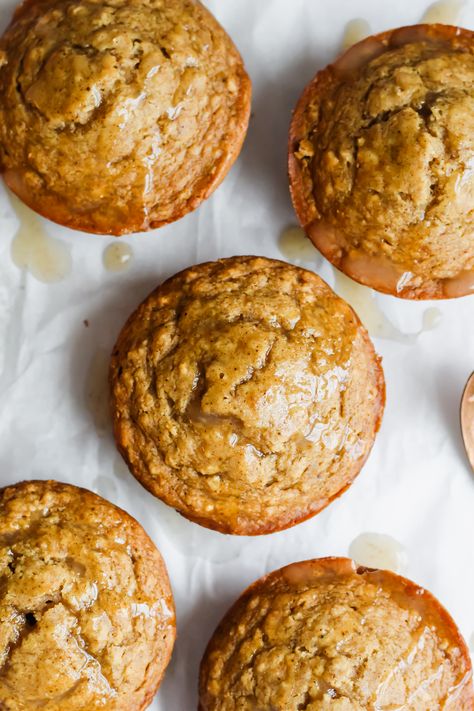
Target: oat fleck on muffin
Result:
[[118, 116], [381, 162], [86, 611], [245, 394], [325, 635]]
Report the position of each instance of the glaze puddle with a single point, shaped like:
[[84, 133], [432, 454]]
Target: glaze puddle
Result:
[[432, 318], [363, 301], [355, 31], [117, 257], [46, 258], [445, 12], [296, 246], [378, 550], [97, 390]]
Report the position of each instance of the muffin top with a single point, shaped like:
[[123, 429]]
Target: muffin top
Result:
[[382, 162], [86, 611], [118, 116], [245, 394], [324, 634]]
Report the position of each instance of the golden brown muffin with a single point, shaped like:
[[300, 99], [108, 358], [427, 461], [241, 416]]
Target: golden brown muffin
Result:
[[118, 116], [381, 162], [324, 634], [86, 611], [245, 394]]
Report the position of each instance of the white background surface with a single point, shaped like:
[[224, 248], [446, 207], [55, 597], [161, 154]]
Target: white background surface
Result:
[[416, 486]]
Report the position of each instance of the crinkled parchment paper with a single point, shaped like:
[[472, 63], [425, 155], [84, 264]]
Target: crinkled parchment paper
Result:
[[416, 486]]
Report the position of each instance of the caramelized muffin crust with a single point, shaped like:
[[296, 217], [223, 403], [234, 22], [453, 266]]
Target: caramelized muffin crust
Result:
[[86, 610], [118, 116], [323, 634], [245, 394], [381, 162]]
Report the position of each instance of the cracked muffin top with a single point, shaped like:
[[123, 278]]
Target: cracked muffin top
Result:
[[323, 634], [86, 610], [245, 394], [118, 116], [381, 162]]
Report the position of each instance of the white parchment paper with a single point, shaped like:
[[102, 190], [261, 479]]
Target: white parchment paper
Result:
[[417, 485]]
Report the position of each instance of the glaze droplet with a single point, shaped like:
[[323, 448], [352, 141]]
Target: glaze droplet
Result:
[[467, 419], [355, 31], [378, 550], [297, 247], [118, 257], [45, 257], [432, 318], [363, 300], [445, 12]]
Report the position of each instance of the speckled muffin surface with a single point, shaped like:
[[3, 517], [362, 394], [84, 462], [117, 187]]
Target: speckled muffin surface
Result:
[[324, 634], [245, 394], [381, 160], [118, 116], [86, 610]]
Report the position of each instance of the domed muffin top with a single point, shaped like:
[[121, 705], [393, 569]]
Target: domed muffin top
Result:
[[246, 394], [323, 634], [120, 116], [382, 162], [87, 615]]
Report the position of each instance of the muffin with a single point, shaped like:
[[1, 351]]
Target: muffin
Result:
[[245, 394], [381, 162], [86, 610], [120, 116], [324, 634]]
